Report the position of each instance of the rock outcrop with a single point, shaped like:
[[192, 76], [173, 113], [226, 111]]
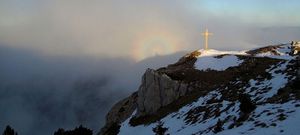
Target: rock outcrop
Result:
[[158, 90], [119, 113], [295, 47], [163, 86], [271, 49]]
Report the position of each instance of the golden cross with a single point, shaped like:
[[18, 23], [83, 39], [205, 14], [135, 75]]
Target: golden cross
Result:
[[206, 34]]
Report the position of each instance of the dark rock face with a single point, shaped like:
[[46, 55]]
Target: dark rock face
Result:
[[218, 127], [160, 130], [122, 110], [246, 106], [118, 114]]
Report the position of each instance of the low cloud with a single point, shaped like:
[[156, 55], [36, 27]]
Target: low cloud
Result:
[[39, 94]]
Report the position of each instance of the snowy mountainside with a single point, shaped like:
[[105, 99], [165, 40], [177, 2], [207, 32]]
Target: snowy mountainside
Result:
[[215, 92]]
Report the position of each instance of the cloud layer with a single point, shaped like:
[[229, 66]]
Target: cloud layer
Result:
[[39, 94]]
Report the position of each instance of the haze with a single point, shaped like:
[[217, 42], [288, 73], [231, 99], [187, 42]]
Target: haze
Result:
[[65, 62]]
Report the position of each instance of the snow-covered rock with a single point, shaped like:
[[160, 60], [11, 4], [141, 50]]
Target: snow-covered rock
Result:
[[282, 51]]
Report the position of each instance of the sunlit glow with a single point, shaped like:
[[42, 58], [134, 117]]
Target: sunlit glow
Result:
[[155, 42], [206, 34]]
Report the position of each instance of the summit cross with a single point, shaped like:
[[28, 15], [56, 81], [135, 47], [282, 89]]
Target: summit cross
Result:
[[206, 34]]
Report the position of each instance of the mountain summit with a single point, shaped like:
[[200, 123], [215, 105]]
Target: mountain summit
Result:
[[215, 92]]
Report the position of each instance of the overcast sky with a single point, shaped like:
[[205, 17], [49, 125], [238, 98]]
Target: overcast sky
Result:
[[141, 28], [65, 62]]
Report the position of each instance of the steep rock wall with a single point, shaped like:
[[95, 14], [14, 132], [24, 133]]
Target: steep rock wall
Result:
[[158, 90]]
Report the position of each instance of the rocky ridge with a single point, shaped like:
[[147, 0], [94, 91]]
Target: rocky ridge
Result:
[[167, 90]]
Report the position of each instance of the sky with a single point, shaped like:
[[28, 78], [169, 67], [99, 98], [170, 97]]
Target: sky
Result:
[[60, 58], [140, 29]]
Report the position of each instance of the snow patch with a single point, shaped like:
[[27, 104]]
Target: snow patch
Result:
[[212, 52], [219, 64]]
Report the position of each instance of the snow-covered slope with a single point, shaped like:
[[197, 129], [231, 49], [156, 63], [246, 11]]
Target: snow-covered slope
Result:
[[221, 60], [265, 102], [266, 115]]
